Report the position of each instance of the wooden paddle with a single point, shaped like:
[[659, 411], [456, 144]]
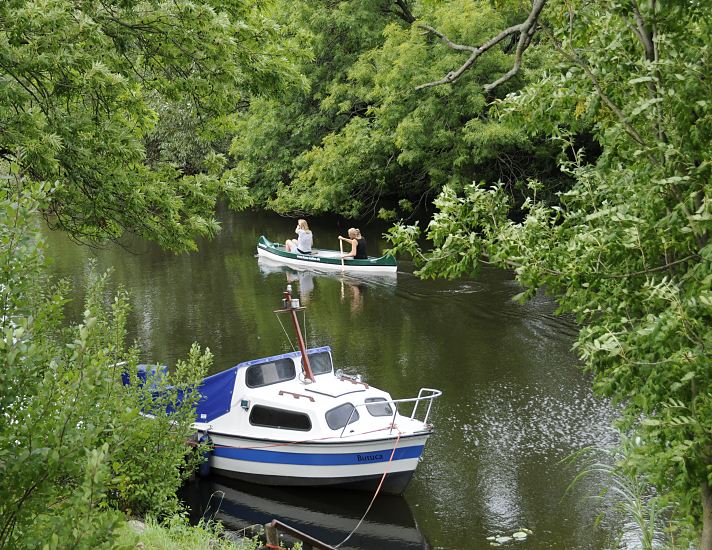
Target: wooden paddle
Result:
[[341, 249]]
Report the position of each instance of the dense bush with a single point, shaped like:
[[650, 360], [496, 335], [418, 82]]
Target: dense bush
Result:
[[75, 449]]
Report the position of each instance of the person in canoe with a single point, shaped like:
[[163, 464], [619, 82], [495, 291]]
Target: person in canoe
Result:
[[303, 243], [358, 245]]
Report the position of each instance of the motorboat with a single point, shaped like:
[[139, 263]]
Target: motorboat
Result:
[[293, 419], [325, 259]]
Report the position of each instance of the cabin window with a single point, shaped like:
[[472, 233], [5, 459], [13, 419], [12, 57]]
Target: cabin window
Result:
[[379, 406], [279, 418], [337, 417], [320, 362], [264, 374]]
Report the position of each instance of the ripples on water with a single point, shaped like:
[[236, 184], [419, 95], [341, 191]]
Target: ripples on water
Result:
[[519, 419]]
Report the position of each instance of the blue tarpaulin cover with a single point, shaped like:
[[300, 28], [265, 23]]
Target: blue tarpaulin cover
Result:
[[143, 371], [216, 395]]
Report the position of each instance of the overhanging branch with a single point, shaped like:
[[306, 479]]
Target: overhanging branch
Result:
[[525, 30]]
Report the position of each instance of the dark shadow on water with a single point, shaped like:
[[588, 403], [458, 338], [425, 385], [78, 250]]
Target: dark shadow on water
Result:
[[328, 515]]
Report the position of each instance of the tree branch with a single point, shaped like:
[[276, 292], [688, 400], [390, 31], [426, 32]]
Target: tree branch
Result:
[[525, 30], [574, 58], [404, 11], [642, 32]]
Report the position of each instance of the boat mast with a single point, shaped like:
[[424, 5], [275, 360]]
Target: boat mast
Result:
[[291, 306]]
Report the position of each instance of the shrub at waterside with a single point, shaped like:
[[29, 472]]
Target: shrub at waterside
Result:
[[76, 452]]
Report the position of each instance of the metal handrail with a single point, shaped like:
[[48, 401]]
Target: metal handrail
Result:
[[432, 396]]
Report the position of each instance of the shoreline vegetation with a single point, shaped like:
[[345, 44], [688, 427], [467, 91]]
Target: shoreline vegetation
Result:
[[565, 140], [79, 458], [177, 534], [78, 453]]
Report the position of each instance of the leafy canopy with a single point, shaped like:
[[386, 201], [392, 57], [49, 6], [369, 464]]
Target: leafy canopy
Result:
[[627, 249], [99, 96], [363, 135]]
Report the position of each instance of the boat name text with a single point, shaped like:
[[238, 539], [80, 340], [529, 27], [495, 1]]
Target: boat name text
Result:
[[369, 458]]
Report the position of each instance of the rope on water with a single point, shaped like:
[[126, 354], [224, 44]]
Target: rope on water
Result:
[[378, 489], [210, 500]]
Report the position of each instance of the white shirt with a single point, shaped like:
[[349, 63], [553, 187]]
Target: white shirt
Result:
[[304, 240]]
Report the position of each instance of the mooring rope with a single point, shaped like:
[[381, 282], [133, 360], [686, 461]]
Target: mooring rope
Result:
[[207, 508], [378, 489], [285, 333]]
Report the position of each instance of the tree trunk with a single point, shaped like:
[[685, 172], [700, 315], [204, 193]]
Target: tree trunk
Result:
[[706, 538]]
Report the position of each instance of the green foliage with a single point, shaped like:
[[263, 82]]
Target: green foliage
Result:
[[273, 133], [121, 103], [144, 464], [626, 249], [75, 448], [632, 499], [83, 522], [364, 134]]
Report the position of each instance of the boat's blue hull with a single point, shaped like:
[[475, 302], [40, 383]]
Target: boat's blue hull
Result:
[[344, 463]]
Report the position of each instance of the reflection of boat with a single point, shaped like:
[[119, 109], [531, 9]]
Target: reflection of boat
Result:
[[325, 515], [325, 259], [353, 285], [291, 420]]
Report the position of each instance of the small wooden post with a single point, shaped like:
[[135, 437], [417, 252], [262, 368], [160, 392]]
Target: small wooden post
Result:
[[271, 534]]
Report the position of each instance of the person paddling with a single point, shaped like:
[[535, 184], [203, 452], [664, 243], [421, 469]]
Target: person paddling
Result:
[[358, 245]]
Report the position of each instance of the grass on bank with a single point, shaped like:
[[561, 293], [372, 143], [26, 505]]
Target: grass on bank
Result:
[[177, 534]]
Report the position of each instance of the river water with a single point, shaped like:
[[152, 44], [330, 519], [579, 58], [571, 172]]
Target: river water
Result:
[[515, 403]]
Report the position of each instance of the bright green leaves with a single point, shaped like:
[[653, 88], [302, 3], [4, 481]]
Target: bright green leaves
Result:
[[345, 171], [85, 523], [364, 135], [419, 134], [461, 231]]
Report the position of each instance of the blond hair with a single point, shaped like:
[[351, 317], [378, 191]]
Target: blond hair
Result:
[[303, 225]]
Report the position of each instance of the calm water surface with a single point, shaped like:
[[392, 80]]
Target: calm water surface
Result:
[[515, 403]]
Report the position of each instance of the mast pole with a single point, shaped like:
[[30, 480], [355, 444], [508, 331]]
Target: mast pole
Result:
[[306, 366]]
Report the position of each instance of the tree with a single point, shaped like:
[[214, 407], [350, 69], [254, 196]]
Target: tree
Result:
[[363, 136], [86, 86], [627, 248], [272, 134]]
